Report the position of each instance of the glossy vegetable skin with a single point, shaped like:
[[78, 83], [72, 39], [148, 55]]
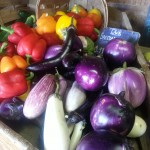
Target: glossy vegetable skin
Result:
[[117, 51], [17, 31], [12, 109], [12, 83], [33, 46], [7, 49], [53, 51], [102, 140], [45, 24], [11, 63], [113, 113], [55, 61], [91, 73]]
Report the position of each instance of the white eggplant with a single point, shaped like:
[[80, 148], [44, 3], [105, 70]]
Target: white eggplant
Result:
[[75, 97], [139, 128], [56, 132], [77, 134]]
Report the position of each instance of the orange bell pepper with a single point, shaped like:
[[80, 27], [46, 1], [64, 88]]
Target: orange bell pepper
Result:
[[45, 24], [11, 63]]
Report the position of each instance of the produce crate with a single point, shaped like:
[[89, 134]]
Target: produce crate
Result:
[[9, 10], [28, 135]]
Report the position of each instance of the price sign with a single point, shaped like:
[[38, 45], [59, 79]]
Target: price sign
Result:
[[109, 33]]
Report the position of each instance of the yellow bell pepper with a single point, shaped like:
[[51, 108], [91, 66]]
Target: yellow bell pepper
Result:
[[45, 24], [61, 25], [24, 95]]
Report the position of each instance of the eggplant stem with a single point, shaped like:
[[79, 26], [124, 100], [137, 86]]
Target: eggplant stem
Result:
[[125, 65]]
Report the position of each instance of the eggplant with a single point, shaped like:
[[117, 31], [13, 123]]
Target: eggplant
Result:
[[103, 140], [36, 101], [55, 61], [112, 112], [56, 135], [91, 73], [53, 51], [71, 60], [12, 109]]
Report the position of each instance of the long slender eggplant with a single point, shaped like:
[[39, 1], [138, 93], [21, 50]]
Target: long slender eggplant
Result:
[[56, 134], [55, 61]]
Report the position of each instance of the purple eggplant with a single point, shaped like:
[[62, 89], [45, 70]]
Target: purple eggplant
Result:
[[12, 109], [53, 51], [117, 51], [71, 60], [112, 112], [50, 63], [103, 140], [91, 73]]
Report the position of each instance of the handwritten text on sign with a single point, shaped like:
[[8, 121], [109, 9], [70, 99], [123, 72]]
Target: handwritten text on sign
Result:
[[108, 34]]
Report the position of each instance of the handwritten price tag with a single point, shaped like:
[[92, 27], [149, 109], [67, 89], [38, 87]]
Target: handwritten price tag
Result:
[[109, 33]]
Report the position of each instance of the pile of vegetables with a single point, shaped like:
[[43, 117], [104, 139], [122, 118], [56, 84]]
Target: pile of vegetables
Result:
[[51, 68]]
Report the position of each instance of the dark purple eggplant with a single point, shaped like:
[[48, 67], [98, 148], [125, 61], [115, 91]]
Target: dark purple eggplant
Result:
[[112, 112], [71, 60], [77, 44], [12, 109], [55, 61], [103, 140]]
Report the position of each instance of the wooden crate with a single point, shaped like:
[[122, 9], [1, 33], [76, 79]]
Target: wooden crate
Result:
[[9, 10], [28, 135]]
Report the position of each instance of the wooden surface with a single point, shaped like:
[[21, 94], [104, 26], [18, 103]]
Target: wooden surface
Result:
[[9, 9], [131, 2], [11, 140]]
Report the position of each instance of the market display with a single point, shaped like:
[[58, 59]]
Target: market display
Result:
[[50, 67]]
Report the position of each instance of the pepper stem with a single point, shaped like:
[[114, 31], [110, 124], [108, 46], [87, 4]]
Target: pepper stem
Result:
[[77, 9], [30, 75], [3, 47], [28, 57], [7, 29]]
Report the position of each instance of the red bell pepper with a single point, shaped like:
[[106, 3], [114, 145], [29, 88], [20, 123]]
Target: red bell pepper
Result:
[[17, 31], [85, 26], [32, 45], [7, 49], [52, 39], [12, 83]]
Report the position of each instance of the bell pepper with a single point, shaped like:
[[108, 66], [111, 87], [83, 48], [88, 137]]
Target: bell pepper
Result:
[[45, 24], [33, 46], [11, 63], [12, 83], [52, 39], [62, 24], [30, 21], [24, 95], [28, 78], [85, 26], [7, 49], [17, 31], [23, 14]]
